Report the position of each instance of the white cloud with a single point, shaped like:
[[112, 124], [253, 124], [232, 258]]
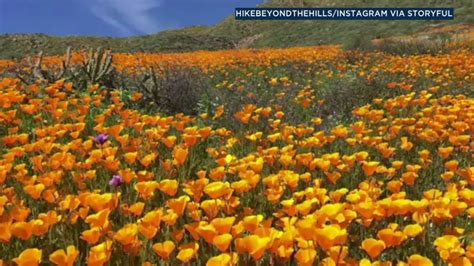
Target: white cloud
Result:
[[128, 16]]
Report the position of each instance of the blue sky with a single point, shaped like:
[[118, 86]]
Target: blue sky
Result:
[[111, 17]]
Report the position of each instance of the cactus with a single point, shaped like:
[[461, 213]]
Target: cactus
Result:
[[49, 74], [96, 68], [65, 63], [97, 65], [150, 87], [36, 67]]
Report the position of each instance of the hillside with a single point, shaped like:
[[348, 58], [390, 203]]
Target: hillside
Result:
[[302, 33], [235, 34]]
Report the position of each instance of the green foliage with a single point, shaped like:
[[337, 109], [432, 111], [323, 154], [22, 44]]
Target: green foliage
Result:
[[361, 42], [436, 44], [412, 48]]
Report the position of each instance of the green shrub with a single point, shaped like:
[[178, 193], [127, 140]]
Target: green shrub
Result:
[[400, 47], [360, 42], [342, 95]]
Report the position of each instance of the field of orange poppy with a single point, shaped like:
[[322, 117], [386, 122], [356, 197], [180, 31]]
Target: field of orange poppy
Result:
[[298, 156]]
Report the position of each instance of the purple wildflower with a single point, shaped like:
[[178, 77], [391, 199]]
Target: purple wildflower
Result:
[[116, 181], [101, 138]]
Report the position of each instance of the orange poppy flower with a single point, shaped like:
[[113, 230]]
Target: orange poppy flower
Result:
[[29, 257], [449, 247], [445, 152], [100, 219], [369, 167], [64, 258], [135, 209], [22, 230], [211, 207], [412, 230], [168, 186], [180, 155], [222, 242], [217, 189], [187, 252], [330, 235], [223, 225], [252, 222], [223, 259], [100, 202], [391, 237], [92, 235], [5, 231], [305, 256], [148, 159], [253, 244], [452, 165], [178, 205], [115, 130], [127, 235], [405, 145], [418, 260], [100, 254], [146, 189], [373, 247], [34, 190], [130, 157], [217, 173], [169, 141], [164, 249]]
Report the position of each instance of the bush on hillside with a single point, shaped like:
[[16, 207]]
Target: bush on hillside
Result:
[[172, 89]]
